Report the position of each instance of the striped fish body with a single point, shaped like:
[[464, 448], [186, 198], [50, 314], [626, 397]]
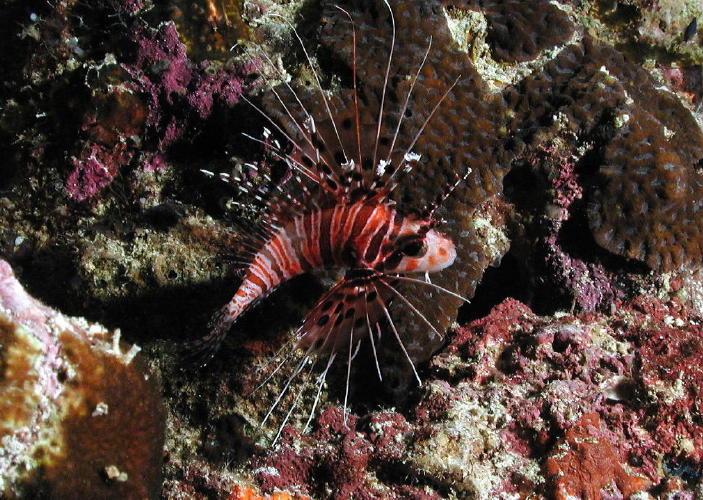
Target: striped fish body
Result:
[[346, 152], [366, 238], [346, 236]]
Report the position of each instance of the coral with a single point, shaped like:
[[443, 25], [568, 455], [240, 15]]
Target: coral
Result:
[[178, 89], [512, 32], [94, 169], [340, 449], [663, 24], [647, 204], [642, 201], [524, 387], [584, 464], [80, 414], [602, 185]]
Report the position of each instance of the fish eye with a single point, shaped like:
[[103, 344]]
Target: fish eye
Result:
[[415, 248]]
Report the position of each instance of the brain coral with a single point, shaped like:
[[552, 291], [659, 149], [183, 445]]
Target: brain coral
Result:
[[511, 26], [644, 184], [462, 134], [79, 416]]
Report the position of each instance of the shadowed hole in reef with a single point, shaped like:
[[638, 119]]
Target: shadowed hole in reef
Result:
[[8, 169], [269, 321], [505, 280], [688, 470], [366, 391], [226, 440], [527, 188], [60, 291]]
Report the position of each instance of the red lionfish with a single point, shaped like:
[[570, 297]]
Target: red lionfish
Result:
[[336, 212]]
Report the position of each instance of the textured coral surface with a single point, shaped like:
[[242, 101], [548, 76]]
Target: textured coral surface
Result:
[[79, 416], [575, 371]]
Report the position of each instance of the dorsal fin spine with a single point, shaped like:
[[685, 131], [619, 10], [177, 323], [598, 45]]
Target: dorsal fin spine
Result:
[[319, 85], [385, 84], [407, 100]]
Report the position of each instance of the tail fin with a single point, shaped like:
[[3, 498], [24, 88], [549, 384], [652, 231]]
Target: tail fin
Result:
[[199, 352]]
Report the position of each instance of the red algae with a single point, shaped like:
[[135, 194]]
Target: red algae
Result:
[[522, 389], [670, 368], [95, 169], [491, 333], [585, 465], [164, 73], [532, 379], [147, 105], [346, 452]]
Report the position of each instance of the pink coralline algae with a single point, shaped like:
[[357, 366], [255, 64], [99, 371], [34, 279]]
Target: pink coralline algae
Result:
[[95, 169], [177, 88], [163, 94], [582, 405], [561, 253], [630, 381], [669, 364], [346, 452], [688, 81], [79, 415], [589, 283]]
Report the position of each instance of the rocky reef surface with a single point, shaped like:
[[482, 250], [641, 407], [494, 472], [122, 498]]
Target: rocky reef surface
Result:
[[575, 371], [81, 415]]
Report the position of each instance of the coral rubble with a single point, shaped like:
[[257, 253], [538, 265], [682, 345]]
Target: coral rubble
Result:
[[80, 416], [562, 406]]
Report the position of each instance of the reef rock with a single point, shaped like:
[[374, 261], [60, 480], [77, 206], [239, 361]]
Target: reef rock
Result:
[[80, 417], [521, 405]]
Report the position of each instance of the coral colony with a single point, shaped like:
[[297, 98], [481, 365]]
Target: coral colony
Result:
[[500, 200], [81, 417]]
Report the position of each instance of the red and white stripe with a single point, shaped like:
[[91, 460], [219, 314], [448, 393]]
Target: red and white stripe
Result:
[[345, 236]]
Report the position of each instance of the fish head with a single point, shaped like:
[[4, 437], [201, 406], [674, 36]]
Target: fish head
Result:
[[420, 248]]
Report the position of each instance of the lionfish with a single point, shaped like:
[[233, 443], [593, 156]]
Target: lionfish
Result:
[[336, 212]]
